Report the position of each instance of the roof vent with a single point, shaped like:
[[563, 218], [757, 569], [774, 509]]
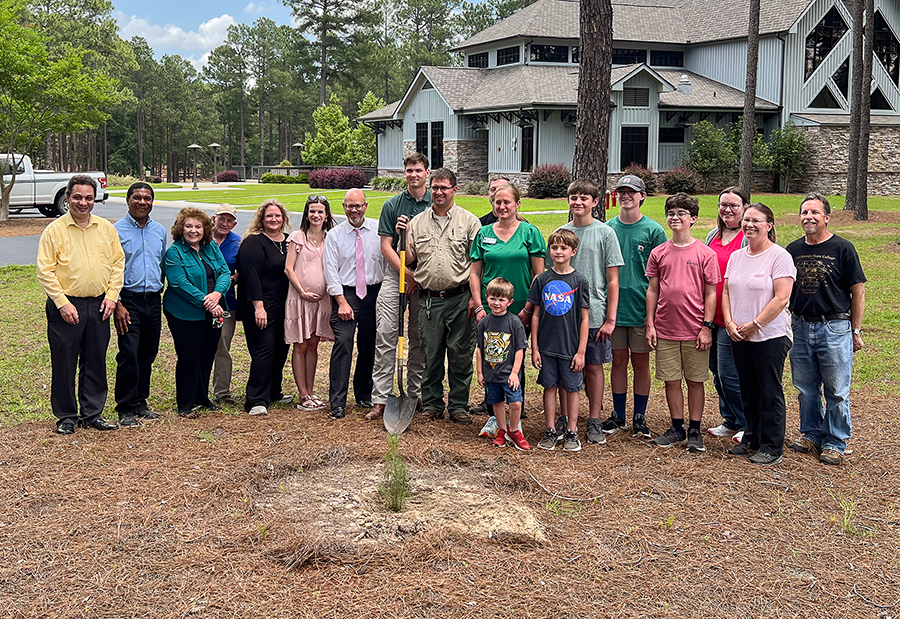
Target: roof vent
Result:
[[684, 85]]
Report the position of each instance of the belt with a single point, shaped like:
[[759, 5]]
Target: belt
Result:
[[444, 294], [825, 317], [132, 293]]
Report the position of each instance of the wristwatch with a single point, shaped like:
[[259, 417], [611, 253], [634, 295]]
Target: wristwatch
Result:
[[857, 332], [709, 324]]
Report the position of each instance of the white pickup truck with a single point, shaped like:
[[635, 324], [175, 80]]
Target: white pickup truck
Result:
[[42, 189]]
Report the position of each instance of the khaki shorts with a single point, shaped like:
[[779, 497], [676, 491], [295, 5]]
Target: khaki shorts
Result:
[[632, 338], [675, 359]]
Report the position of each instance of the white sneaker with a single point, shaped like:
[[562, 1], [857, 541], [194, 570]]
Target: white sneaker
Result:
[[259, 410], [737, 437], [722, 431], [285, 399]]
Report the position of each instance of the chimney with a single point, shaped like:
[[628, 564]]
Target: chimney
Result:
[[684, 85]]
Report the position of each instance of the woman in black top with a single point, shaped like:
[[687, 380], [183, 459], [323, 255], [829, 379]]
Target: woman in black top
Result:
[[261, 294]]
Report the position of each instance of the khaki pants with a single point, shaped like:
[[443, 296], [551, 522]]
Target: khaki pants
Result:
[[221, 381], [387, 325]]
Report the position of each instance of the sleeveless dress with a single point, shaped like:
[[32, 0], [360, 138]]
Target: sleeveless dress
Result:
[[304, 319]]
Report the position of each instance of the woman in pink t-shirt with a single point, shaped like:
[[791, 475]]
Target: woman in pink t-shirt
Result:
[[307, 311], [725, 239], [758, 283]]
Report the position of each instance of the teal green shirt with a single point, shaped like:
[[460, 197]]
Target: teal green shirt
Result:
[[187, 278], [636, 241], [510, 260], [401, 204]]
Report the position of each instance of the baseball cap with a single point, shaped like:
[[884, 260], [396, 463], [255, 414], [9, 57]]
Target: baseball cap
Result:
[[632, 182], [226, 209]]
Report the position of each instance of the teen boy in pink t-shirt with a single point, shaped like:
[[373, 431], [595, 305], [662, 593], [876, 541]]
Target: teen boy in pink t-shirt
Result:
[[681, 303]]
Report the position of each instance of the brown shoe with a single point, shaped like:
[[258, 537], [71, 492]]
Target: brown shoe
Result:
[[804, 446], [461, 417], [832, 457], [376, 413], [433, 415]]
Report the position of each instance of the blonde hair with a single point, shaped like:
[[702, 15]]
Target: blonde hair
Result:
[[500, 288], [256, 224]]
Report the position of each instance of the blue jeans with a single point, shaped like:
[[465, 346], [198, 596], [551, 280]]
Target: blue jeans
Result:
[[821, 363], [725, 379]]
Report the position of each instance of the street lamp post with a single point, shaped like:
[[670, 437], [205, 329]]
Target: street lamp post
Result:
[[194, 148], [215, 146], [299, 147]]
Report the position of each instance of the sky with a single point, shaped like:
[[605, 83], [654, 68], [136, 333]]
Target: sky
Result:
[[194, 29]]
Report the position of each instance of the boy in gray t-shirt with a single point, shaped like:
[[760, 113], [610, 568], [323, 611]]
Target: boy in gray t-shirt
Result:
[[498, 360]]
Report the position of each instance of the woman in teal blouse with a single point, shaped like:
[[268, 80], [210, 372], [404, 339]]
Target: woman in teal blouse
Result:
[[198, 278]]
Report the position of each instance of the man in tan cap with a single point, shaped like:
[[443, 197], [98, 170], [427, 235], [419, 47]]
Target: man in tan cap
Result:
[[224, 222]]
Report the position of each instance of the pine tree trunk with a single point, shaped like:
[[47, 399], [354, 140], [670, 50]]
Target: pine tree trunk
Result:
[[858, 88], [748, 134], [592, 125], [262, 129], [140, 142], [861, 199]]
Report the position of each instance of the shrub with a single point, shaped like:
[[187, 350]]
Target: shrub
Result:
[[645, 174], [549, 181], [276, 179], [228, 176], [477, 188], [156, 179], [790, 153], [389, 183], [286, 164], [117, 180], [342, 178], [711, 154], [678, 179], [302, 178]]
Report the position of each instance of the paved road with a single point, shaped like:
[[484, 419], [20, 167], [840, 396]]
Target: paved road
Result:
[[23, 249]]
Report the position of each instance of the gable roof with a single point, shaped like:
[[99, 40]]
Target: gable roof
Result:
[[382, 113], [646, 21], [705, 93]]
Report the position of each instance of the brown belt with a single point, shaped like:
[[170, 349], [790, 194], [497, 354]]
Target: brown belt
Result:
[[444, 294]]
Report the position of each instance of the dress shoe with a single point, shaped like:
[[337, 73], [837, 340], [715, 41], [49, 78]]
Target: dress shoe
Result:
[[338, 413], [226, 400], [99, 424], [364, 403], [66, 426], [377, 412], [144, 412], [128, 420]]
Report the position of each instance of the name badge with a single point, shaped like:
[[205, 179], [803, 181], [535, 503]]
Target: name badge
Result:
[[490, 241]]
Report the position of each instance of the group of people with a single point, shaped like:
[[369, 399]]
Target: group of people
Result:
[[591, 294]]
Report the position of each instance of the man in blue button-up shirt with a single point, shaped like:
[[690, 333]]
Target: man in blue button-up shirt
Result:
[[138, 314]]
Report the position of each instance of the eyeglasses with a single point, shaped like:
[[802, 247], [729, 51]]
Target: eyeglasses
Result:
[[319, 199], [730, 207], [440, 189], [677, 215], [755, 222], [354, 207]]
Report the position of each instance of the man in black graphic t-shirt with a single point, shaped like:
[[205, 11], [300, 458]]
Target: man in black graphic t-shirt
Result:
[[827, 302]]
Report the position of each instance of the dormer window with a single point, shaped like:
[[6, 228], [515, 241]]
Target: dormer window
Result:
[[550, 53], [478, 61], [507, 55]]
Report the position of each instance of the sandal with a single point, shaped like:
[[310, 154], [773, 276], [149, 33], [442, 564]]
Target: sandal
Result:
[[308, 403], [319, 403], [191, 413]]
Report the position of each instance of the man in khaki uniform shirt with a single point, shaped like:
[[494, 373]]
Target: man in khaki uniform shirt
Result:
[[440, 238], [81, 267]]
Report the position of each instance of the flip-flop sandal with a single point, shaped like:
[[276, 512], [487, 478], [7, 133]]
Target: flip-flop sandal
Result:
[[308, 403], [319, 403]]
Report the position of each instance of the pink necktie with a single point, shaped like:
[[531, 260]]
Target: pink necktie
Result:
[[360, 267]]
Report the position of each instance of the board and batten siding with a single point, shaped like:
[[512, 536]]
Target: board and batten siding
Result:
[[390, 149], [504, 154], [727, 63], [555, 140], [428, 106], [634, 117]]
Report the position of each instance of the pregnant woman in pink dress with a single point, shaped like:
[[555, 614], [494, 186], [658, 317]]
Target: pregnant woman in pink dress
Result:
[[308, 307]]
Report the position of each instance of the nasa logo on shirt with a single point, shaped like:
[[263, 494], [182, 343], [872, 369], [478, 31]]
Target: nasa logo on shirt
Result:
[[558, 297]]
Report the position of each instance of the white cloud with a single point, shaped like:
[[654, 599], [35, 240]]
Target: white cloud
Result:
[[254, 8], [170, 38]]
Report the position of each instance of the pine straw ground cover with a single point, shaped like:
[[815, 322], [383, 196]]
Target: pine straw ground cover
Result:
[[232, 516]]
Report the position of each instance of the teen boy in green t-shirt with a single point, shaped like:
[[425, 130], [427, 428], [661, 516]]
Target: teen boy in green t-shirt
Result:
[[638, 235]]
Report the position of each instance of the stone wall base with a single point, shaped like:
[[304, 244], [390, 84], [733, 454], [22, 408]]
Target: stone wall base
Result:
[[390, 172], [468, 159], [829, 156]]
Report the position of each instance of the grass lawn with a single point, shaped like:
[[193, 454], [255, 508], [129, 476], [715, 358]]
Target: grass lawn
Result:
[[118, 188], [281, 516]]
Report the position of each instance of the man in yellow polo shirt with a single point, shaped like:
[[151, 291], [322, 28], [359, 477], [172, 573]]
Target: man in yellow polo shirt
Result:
[[81, 267]]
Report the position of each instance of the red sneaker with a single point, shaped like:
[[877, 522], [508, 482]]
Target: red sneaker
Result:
[[500, 441], [518, 440]]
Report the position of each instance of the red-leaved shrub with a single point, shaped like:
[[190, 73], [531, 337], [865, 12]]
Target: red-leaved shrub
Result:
[[344, 178], [228, 176]]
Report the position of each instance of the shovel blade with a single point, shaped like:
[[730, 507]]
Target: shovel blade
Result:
[[398, 413]]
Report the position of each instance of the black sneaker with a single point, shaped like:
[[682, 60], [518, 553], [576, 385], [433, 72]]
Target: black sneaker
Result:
[[639, 427], [613, 425], [128, 420], [66, 426], [562, 423], [549, 439], [671, 437], [571, 441], [144, 412], [695, 441], [594, 433], [741, 449], [765, 459]]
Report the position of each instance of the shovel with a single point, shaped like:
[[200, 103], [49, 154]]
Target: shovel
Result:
[[399, 411]]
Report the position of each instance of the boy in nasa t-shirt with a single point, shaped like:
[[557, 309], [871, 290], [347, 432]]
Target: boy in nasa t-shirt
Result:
[[559, 331]]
